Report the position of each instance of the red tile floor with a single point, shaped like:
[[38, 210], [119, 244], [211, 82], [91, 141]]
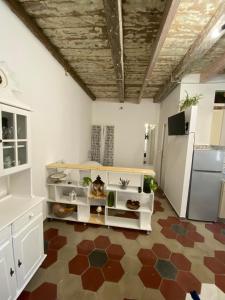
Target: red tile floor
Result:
[[94, 262]]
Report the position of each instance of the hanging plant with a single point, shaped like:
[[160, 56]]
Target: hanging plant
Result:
[[189, 101]]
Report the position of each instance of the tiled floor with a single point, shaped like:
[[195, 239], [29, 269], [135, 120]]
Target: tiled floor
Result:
[[94, 262]]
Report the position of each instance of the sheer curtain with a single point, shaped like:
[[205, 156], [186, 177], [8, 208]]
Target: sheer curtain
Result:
[[102, 144]]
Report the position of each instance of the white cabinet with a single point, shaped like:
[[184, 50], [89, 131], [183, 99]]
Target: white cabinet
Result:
[[15, 139], [21, 252], [8, 285], [28, 250]]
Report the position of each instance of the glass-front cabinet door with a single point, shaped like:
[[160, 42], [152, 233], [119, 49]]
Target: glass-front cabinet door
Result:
[[14, 132]]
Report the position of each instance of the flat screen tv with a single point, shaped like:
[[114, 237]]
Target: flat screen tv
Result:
[[176, 124]]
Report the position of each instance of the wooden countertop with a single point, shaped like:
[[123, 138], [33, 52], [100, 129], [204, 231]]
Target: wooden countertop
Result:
[[101, 168]]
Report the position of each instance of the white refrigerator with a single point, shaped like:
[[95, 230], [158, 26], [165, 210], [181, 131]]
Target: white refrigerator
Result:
[[205, 183]]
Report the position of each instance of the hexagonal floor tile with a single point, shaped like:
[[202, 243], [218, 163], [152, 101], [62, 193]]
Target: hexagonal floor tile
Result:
[[50, 259], [150, 277], [220, 282], [46, 291], [188, 282], [220, 255], [57, 242], [171, 290], [78, 264], [102, 242], [161, 251], [147, 257], [80, 227], [92, 279], [216, 266], [115, 251], [166, 269], [50, 233], [85, 247], [113, 271], [97, 258], [180, 261], [24, 296]]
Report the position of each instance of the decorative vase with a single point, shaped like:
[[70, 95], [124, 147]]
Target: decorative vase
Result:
[[123, 187]]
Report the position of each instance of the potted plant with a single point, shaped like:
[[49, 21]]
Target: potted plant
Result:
[[86, 181], [153, 185], [124, 183], [150, 184], [189, 101]]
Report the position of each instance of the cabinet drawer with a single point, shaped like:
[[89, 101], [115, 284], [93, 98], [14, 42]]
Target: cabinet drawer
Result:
[[5, 234], [27, 218]]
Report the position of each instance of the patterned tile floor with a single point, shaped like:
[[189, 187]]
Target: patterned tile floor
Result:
[[94, 262]]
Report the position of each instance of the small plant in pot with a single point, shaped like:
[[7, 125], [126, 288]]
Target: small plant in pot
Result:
[[153, 185], [86, 181], [150, 184], [124, 183]]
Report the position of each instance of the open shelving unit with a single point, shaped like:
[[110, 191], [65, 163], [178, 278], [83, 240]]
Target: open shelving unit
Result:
[[119, 215]]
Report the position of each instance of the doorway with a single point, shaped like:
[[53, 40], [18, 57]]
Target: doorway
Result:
[[218, 126], [163, 156]]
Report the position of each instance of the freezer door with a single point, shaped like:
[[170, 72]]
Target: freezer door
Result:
[[208, 160], [204, 196]]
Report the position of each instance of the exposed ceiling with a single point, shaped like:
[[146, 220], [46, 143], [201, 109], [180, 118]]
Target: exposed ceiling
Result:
[[81, 33]]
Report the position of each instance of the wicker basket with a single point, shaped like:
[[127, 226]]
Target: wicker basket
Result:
[[62, 211]]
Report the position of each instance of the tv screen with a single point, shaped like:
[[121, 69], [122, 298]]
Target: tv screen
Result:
[[219, 97], [176, 124]]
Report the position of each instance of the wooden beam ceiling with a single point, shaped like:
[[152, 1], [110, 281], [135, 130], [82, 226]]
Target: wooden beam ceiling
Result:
[[20, 12], [213, 69], [113, 15], [168, 16], [204, 42]]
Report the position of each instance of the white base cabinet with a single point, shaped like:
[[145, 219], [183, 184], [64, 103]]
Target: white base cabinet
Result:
[[21, 252], [8, 284]]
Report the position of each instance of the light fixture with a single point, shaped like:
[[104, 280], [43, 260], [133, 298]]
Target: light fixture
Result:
[[217, 31]]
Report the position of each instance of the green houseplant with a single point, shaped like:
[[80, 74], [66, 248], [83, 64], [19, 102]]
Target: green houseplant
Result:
[[150, 184], [189, 101], [86, 181]]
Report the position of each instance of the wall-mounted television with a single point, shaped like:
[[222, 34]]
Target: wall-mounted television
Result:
[[219, 97], [176, 124]]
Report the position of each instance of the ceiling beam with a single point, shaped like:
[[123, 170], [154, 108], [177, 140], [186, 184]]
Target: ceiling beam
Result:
[[167, 19], [30, 23], [203, 43], [213, 69], [113, 15]]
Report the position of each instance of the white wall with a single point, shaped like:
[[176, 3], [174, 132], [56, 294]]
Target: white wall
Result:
[[222, 136], [176, 155], [129, 127], [61, 119], [191, 84]]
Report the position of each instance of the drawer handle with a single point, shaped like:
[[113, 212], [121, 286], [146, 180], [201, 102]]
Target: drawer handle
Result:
[[11, 272], [31, 215], [19, 263]]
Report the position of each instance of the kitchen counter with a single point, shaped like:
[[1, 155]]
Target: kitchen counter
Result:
[[13, 207], [102, 168]]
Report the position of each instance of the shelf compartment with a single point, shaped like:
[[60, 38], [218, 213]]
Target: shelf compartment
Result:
[[116, 187], [62, 193], [73, 217], [65, 184], [96, 219], [122, 222], [146, 202], [78, 201]]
